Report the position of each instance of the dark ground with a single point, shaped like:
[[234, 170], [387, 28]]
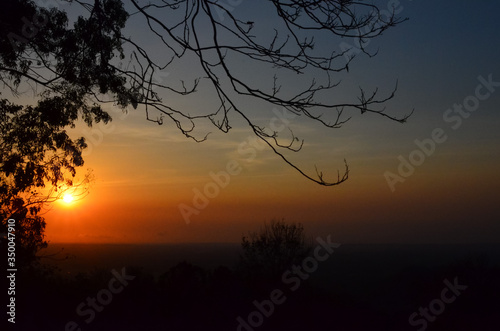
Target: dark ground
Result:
[[359, 287]]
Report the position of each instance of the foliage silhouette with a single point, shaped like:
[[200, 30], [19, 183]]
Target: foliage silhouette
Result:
[[267, 254], [38, 162], [38, 159]]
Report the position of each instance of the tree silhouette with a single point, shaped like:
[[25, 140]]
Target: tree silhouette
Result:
[[38, 159], [92, 61], [267, 254], [38, 163]]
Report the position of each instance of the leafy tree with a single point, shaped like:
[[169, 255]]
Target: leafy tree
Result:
[[38, 159], [38, 163], [272, 250]]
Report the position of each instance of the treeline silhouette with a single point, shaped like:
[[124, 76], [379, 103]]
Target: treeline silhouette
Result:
[[349, 292], [189, 297]]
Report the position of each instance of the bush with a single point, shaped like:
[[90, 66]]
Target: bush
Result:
[[269, 252]]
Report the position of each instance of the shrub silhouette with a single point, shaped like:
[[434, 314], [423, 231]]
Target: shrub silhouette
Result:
[[269, 252]]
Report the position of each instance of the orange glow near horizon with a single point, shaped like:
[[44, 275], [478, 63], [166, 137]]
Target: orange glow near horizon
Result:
[[133, 213]]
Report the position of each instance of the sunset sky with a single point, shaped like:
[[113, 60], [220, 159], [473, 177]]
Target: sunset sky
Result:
[[445, 55]]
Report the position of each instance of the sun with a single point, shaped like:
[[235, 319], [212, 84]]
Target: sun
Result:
[[68, 198]]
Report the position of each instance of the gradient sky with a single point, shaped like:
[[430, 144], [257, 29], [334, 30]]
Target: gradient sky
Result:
[[145, 171]]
